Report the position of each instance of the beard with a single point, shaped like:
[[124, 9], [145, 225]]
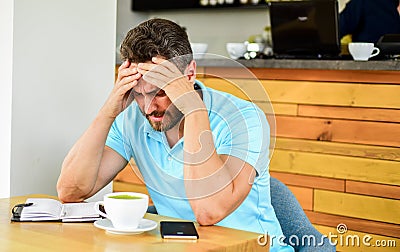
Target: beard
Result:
[[171, 117]]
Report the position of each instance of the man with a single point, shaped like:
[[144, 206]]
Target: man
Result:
[[368, 20], [203, 153]]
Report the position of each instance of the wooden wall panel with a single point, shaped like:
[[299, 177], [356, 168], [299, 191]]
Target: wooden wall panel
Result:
[[339, 94], [278, 108], [341, 149], [252, 90], [372, 189], [333, 166], [358, 206], [284, 109], [290, 179], [366, 114], [346, 131], [356, 224], [303, 92], [351, 76], [223, 85], [303, 128]]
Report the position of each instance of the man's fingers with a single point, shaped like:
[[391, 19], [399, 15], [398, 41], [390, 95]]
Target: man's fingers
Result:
[[127, 95], [125, 88], [145, 68], [166, 63], [128, 79], [156, 79], [124, 64], [164, 69], [158, 60], [126, 69]]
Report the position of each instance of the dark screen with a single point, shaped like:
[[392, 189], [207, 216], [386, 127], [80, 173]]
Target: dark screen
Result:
[[305, 27]]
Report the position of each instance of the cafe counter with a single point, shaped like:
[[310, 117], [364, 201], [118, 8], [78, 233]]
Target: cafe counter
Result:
[[385, 65]]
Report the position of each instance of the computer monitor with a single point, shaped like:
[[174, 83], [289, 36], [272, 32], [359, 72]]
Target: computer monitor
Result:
[[305, 29]]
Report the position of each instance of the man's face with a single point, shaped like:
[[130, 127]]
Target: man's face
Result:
[[156, 106]]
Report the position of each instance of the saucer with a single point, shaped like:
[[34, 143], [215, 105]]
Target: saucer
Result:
[[144, 225]]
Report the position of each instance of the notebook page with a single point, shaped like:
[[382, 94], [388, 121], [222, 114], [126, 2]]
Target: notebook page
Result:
[[79, 210], [42, 209]]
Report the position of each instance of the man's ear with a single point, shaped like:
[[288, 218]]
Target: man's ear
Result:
[[190, 71]]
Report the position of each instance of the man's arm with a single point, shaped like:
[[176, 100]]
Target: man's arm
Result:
[[215, 184], [90, 165]]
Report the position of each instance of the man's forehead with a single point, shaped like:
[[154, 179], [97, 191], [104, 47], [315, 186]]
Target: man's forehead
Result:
[[145, 87]]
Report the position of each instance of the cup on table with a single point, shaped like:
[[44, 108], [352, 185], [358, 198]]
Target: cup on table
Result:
[[124, 209], [236, 50], [361, 51]]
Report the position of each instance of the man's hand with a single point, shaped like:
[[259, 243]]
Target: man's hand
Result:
[[179, 89], [119, 98]]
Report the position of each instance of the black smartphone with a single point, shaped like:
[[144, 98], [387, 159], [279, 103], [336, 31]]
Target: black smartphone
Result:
[[178, 230]]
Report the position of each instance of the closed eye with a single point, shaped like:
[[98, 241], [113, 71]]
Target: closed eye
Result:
[[136, 94], [159, 93]]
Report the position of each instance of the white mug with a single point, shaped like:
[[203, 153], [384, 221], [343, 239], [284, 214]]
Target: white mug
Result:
[[361, 51], [199, 50], [236, 50], [124, 209]]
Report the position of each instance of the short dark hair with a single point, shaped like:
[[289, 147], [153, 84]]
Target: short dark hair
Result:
[[157, 37]]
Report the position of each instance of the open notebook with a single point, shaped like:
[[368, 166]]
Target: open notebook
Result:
[[44, 209]]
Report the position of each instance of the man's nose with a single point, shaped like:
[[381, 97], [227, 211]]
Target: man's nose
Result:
[[149, 104]]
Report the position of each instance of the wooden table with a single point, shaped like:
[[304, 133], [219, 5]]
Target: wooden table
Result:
[[54, 236]]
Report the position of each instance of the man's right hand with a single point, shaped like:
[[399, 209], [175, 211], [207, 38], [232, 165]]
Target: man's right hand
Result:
[[119, 98]]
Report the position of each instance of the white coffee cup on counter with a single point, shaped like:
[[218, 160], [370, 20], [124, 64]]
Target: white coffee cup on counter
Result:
[[125, 210], [199, 50], [236, 50], [361, 51]]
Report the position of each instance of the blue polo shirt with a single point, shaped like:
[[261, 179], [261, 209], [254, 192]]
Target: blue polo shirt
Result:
[[239, 129]]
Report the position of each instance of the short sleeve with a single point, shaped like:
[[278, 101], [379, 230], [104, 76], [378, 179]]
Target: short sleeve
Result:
[[115, 139]]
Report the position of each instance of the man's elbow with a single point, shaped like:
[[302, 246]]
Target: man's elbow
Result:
[[207, 218], [68, 197], [66, 194]]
